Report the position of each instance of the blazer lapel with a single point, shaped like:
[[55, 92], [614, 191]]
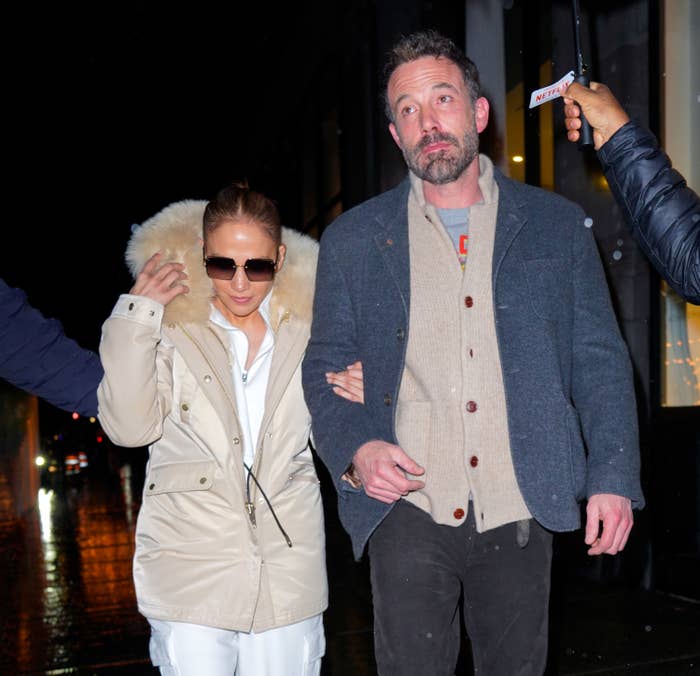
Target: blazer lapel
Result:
[[509, 223], [392, 241]]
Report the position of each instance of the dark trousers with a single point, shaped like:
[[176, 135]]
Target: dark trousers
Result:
[[419, 571]]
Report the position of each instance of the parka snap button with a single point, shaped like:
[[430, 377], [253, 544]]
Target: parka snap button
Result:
[[207, 379], [203, 480], [131, 306], [151, 487], [236, 440], [185, 407]]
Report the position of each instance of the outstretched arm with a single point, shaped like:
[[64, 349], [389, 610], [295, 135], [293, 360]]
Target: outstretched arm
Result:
[[662, 212], [36, 356]]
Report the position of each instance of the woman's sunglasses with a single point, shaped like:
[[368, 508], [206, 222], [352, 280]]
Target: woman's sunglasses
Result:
[[256, 269]]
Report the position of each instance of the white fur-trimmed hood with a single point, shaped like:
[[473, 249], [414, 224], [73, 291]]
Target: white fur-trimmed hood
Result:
[[176, 232]]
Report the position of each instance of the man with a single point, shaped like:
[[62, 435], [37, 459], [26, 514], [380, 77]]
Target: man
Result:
[[37, 356], [479, 382], [662, 212]]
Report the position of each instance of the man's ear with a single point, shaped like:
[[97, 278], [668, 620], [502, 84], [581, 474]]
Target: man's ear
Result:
[[395, 135], [481, 114]]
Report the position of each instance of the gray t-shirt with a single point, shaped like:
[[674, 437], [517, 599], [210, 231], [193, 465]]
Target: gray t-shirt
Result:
[[456, 222]]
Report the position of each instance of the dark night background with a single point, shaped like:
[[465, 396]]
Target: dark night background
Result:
[[110, 116], [114, 112]]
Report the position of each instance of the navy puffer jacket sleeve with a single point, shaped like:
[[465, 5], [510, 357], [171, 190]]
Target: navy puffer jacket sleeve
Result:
[[662, 211], [37, 356]]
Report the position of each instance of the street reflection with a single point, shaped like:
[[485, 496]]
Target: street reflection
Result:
[[45, 507], [68, 604], [72, 600], [130, 508], [56, 583]]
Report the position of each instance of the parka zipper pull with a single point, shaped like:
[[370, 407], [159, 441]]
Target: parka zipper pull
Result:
[[250, 508]]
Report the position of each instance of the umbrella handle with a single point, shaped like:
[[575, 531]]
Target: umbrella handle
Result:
[[585, 138]]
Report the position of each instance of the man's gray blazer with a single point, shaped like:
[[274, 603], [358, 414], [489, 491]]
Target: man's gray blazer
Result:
[[568, 380]]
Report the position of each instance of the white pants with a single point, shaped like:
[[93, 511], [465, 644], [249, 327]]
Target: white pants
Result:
[[182, 649]]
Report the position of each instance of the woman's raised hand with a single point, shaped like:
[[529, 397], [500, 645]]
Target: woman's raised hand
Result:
[[160, 281]]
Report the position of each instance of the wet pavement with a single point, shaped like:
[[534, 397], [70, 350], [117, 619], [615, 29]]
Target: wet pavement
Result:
[[68, 604]]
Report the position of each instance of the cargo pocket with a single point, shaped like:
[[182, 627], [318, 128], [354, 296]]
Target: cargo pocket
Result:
[[179, 477], [159, 647], [304, 472], [314, 650]]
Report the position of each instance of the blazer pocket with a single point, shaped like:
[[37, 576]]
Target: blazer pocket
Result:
[[548, 288], [180, 477], [577, 453]]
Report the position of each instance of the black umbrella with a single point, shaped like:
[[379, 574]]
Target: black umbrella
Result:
[[580, 76]]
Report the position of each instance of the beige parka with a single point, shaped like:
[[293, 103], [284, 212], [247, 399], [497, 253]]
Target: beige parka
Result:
[[199, 558]]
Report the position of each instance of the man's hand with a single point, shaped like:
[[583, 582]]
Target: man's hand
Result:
[[161, 282], [381, 467], [615, 512], [602, 110]]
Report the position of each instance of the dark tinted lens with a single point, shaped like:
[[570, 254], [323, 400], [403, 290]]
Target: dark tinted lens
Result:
[[219, 267], [260, 269]]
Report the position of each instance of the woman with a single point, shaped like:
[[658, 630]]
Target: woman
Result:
[[202, 362]]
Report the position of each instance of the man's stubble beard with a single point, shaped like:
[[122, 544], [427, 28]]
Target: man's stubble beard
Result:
[[441, 168]]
